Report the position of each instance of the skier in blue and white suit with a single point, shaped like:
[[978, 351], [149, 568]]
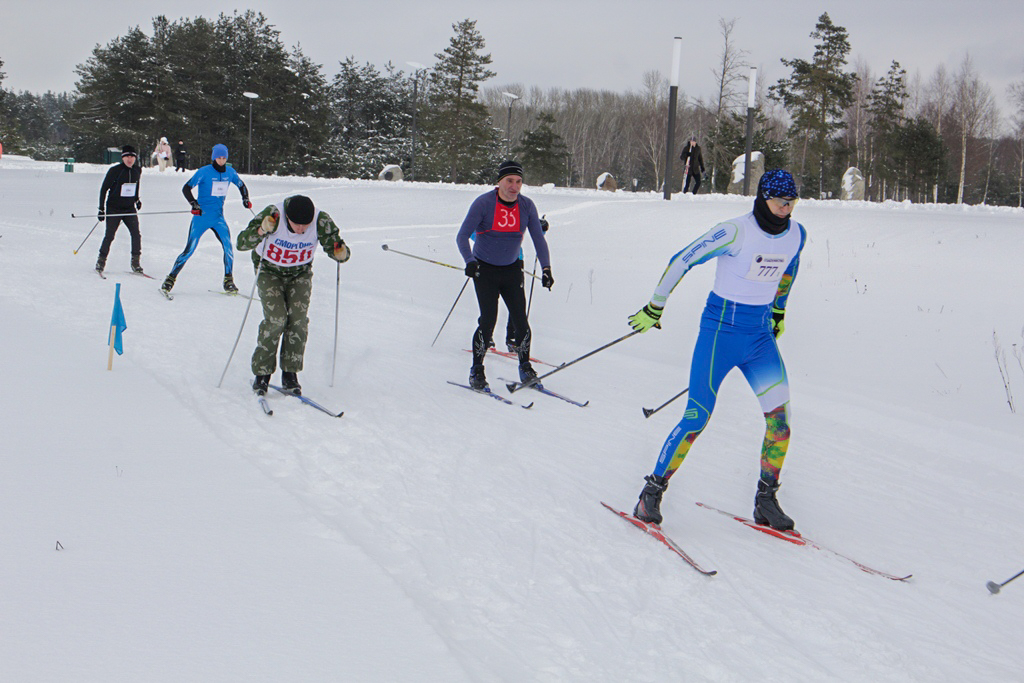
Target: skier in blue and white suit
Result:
[[758, 257], [208, 213]]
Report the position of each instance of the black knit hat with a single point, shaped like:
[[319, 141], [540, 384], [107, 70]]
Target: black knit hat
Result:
[[510, 168], [299, 210], [128, 150]]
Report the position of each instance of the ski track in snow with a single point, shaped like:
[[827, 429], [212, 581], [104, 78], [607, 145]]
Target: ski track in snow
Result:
[[469, 532]]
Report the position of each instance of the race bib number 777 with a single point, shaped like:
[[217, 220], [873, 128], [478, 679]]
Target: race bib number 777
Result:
[[767, 267]]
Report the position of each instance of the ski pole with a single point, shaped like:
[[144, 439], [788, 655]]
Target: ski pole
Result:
[[252, 294], [450, 312], [337, 300], [994, 587], [532, 283], [118, 215], [395, 251], [648, 412], [86, 237], [516, 386], [438, 263]]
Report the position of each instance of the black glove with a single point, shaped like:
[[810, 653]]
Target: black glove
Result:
[[138, 204], [246, 203], [196, 211], [473, 269], [546, 278], [778, 322], [100, 215], [544, 224]]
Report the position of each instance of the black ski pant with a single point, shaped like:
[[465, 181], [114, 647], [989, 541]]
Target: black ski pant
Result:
[[696, 184], [505, 282], [130, 222]]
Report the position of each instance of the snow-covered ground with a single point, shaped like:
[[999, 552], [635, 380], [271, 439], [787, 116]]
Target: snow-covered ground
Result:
[[434, 535]]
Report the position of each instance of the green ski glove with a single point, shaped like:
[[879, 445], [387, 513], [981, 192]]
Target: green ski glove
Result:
[[646, 318]]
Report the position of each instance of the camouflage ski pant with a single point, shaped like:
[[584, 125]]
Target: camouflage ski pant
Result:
[[285, 308]]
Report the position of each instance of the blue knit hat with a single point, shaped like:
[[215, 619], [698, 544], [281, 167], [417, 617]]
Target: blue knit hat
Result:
[[219, 151], [777, 183]]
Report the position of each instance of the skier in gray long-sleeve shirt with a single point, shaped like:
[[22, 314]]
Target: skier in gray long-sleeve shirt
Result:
[[500, 219]]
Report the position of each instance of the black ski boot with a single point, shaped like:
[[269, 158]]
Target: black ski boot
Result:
[[101, 263], [229, 285], [527, 375], [477, 379], [136, 265], [261, 384], [168, 284], [648, 507], [766, 508], [290, 382]]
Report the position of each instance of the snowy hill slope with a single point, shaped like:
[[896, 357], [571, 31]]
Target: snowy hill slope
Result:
[[432, 535]]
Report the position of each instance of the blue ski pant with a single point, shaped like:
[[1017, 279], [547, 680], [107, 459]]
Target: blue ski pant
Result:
[[733, 336], [199, 225]]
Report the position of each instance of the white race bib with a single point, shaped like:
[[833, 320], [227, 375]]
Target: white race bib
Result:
[[128, 189], [767, 267], [219, 188]]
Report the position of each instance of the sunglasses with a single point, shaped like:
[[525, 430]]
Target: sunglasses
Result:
[[786, 201]]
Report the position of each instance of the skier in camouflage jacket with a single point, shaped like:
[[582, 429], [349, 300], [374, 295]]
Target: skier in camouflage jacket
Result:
[[286, 249]]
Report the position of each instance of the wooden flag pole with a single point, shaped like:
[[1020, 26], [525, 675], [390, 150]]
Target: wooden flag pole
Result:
[[110, 354]]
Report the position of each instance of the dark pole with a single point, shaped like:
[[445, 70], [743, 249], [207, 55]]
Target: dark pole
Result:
[[512, 97], [252, 96], [250, 138], [673, 95], [412, 163], [418, 69], [752, 87]]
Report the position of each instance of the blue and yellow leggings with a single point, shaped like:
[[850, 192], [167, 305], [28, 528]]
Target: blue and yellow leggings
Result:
[[733, 335]]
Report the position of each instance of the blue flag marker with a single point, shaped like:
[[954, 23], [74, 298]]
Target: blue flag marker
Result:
[[117, 322]]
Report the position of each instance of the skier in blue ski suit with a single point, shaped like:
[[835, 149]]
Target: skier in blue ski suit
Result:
[[758, 255], [208, 213]]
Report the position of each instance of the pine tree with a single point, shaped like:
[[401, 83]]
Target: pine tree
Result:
[[461, 144], [818, 93], [543, 152], [886, 106], [372, 115]]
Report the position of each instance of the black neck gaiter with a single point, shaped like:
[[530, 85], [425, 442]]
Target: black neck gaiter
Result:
[[768, 221]]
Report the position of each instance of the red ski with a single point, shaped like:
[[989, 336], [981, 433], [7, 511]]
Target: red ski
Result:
[[655, 530], [513, 356], [797, 538]]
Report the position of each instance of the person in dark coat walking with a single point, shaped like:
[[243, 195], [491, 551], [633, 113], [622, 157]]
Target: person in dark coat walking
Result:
[[119, 201], [180, 156], [693, 162]]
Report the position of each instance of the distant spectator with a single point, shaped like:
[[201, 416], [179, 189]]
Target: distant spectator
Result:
[[163, 154], [180, 156], [693, 162]]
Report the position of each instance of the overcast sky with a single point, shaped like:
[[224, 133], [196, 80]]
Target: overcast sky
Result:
[[594, 44]]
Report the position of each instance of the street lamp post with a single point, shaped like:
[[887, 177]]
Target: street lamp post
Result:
[[751, 90], [252, 96], [415, 83], [508, 125], [673, 94]]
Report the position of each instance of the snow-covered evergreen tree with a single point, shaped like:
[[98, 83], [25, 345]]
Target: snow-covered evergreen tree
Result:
[[460, 143]]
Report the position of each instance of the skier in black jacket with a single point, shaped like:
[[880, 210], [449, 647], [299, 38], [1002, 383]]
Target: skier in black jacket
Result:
[[692, 160], [119, 200]]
